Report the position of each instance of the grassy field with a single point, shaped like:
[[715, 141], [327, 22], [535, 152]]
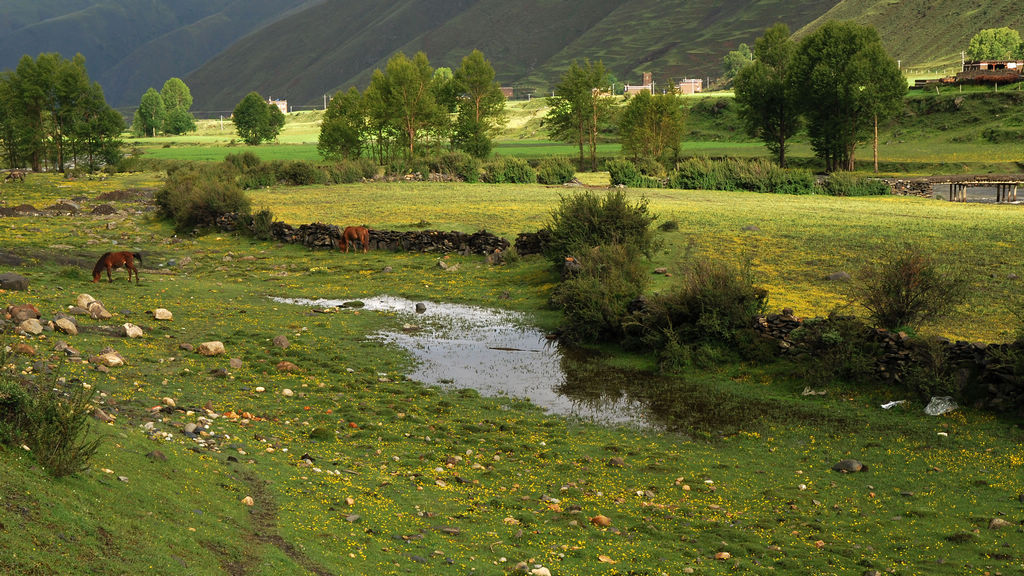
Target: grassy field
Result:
[[936, 135], [412, 479]]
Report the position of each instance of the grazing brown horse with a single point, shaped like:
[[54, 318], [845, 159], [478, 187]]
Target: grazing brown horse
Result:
[[355, 234], [114, 260]]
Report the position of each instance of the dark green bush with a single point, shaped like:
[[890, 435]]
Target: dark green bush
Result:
[[259, 176], [509, 170], [909, 288], [641, 174], [458, 164], [196, 197], [836, 348], [555, 170], [351, 171], [262, 224], [298, 173], [584, 220], [846, 184], [595, 300], [56, 425], [622, 172], [703, 314], [756, 175], [243, 161]]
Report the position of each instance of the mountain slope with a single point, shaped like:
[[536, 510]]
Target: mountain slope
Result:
[[529, 41], [130, 45], [926, 33]]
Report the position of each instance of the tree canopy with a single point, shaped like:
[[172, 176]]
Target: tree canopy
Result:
[[177, 100], [996, 44], [765, 92], [846, 83], [480, 105], [256, 120], [579, 107], [342, 132], [50, 112], [652, 125]]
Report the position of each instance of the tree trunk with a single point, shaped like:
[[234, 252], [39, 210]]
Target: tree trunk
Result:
[[876, 144]]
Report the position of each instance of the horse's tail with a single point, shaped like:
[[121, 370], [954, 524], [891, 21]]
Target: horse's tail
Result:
[[137, 256]]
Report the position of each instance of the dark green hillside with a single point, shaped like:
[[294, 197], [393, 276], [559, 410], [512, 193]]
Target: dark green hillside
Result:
[[130, 45], [334, 45], [925, 33]]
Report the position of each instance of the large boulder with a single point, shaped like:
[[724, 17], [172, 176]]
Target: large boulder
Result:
[[133, 331], [21, 312], [162, 314], [12, 281], [98, 312], [213, 348], [66, 326], [83, 301], [30, 326]]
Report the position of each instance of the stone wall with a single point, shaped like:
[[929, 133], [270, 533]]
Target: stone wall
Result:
[[991, 376]]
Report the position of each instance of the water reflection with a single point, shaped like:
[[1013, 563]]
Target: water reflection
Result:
[[498, 354]]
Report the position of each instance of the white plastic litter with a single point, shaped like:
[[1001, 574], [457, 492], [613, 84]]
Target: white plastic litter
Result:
[[940, 405], [892, 404]]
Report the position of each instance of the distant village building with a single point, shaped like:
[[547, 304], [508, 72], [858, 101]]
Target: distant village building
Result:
[[508, 92], [646, 85], [282, 105], [994, 65], [690, 86], [991, 71]]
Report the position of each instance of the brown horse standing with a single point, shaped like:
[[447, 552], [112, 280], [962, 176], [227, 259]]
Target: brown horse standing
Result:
[[355, 234], [114, 260]]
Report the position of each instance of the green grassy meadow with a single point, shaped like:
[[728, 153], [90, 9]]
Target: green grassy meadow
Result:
[[410, 479]]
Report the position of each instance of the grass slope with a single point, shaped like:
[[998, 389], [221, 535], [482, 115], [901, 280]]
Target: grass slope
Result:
[[927, 36], [411, 479]]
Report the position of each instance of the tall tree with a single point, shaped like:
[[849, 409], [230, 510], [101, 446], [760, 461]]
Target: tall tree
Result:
[[408, 95], [149, 116], [343, 129], [652, 125], [847, 83], [734, 61], [579, 107], [177, 99], [256, 120], [481, 105], [765, 94], [995, 44]]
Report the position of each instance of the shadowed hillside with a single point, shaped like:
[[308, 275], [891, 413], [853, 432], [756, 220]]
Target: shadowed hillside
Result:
[[529, 42], [131, 45]]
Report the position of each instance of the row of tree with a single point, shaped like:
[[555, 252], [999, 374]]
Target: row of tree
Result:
[[838, 81], [409, 104], [167, 111], [52, 115]]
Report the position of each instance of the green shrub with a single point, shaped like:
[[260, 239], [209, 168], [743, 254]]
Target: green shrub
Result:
[[640, 174], [931, 373], [509, 170], [595, 300], [846, 184], [351, 171], [262, 224], [555, 170], [756, 175], [243, 161], [196, 197], [584, 220], [458, 164], [836, 348], [298, 173], [13, 402], [57, 423], [710, 305], [622, 172], [909, 288], [669, 226], [259, 176]]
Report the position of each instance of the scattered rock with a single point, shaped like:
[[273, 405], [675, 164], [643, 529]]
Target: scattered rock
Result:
[[661, 270], [248, 501], [997, 523], [601, 521], [24, 349], [839, 276], [98, 312], [213, 348], [722, 556], [133, 331], [616, 462], [22, 312], [168, 401], [286, 366], [77, 311], [109, 359], [282, 342], [162, 314], [12, 281], [849, 465], [31, 326], [421, 307], [540, 571], [83, 301], [751, 228], [219, 373], [235, 363], [186, 347], [287, 393], [157, 456], [66, 326], [63, 346], [102, 416]]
